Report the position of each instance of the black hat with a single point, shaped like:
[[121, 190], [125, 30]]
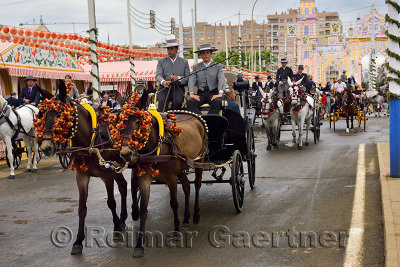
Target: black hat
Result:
[[284, 60], [301, 67], [257, 77], [30, 78], [269, 77]]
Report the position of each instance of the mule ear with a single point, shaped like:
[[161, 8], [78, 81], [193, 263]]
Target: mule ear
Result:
[[118, 97], [142, 104], [46, 94], [62, 91], [289, 81]]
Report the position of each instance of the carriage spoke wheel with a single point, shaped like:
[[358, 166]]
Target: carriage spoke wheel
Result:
[[17, 151], [65, 159], [315, 122], [251, 158], [237, 181]]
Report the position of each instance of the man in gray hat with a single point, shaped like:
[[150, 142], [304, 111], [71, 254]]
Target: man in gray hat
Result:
[[169, 70], [282, 76], [30, 94], [210, 80]]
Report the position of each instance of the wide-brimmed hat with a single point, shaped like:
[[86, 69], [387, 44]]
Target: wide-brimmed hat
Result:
[[206, 47], [284, 60], [269, 77], [172, 43], [300, 67], [30, 78], [257, 77]]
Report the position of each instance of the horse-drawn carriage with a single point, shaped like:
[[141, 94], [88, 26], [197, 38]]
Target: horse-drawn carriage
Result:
[[230, 143], [346, 109], [293, 107]]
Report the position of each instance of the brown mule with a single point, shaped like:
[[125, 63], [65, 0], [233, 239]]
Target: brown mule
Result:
[[190, 144], [349, 107], [82, 138]]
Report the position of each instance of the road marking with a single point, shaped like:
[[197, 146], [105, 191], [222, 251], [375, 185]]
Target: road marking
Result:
[[355, 241]]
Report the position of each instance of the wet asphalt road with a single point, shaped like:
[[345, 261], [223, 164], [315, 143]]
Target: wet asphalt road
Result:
[[309, 191]]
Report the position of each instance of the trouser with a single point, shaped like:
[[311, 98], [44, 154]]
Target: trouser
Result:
[[281, 89], [176, 96], [205, 97]]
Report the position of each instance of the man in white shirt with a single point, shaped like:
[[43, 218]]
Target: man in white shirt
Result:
[[338, 90]]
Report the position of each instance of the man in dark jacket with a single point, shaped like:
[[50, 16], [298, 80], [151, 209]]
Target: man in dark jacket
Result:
[[282, 76], [12, 100], [303, 77], [270, 84], [31, 93]]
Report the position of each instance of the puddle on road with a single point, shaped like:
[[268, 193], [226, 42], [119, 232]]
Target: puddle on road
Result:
[[22, 221], [60, 199], [4, 234], [65, 211]]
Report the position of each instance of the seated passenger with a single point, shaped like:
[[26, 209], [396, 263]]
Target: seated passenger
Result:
[[230, 98], [210, 80]]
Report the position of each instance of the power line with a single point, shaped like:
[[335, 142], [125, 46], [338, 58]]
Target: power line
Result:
[[140, 16], [138, 10]]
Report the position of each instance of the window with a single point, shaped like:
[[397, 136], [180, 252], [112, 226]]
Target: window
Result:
[[212, 43], [289, 20], [202, 33], [273, 21], [306, 54], [306, 30], [321, 33], [219, 43], [219, 31], [306, 12], [244, 31], [219, 37], [275, 34], [282, 27], [328, 32], [282, 21], [275, 47], [202, 38]]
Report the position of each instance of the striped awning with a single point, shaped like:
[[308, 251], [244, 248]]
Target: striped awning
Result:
[[47, 74]]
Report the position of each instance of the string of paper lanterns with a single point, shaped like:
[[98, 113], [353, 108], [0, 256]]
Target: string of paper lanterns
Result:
[[68, 43]]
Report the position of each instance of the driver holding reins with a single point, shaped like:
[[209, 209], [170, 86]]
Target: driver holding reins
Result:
[[282, 76]]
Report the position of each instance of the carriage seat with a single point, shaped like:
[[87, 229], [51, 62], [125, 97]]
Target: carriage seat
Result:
[[206, 108]]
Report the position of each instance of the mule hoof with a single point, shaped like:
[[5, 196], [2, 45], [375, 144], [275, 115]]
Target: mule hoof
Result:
[[76, 250], [347, 130], [138, 252], [307, 144], [34, 170], [269, 147], [185, 227], [118, 237], [11, 177], [300, 148], [28, 170], [135, 216], [196, 219]]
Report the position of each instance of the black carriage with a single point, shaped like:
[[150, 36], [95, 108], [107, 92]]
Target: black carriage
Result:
[[18, 149], [231, 143]]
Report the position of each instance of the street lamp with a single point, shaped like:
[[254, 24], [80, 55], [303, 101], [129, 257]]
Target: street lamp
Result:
[[252, 34]]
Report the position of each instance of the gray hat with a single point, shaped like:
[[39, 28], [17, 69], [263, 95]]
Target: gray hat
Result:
[[172, 43], [30, 78], [284, 60], [205, 47]]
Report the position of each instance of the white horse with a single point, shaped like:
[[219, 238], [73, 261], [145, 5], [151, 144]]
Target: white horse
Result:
[[301, 111], [23, 129], [272, 117]]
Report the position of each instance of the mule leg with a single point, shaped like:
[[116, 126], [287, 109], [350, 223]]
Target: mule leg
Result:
[[300, 140], [144, 184], [35, 154], [308, 122], [269, 136], [347, 123], [197, 184], [28, 146], [352, 120], [134, 191], [293, 129], [186, 189], [173, 188], [122, 188], [7, 141], [82, 180]]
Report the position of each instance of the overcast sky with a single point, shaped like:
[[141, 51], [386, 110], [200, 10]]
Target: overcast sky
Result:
[[14, 12]]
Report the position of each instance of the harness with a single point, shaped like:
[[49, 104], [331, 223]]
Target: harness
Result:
[[5, 117]]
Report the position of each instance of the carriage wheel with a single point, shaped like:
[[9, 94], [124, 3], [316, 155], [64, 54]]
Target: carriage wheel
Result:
[[65, 159], [334, 119], [251, 159], [315, 123], [364, 118], [17, 151], [237, 181]]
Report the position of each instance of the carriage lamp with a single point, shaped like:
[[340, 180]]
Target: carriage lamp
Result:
[[241, 84]]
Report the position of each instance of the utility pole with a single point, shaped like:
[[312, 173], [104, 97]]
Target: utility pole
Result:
[[240, 45], [252, 35], [259, 53], [226, 48], [194, 30], [131, 61], [93, 50], [180, 30]]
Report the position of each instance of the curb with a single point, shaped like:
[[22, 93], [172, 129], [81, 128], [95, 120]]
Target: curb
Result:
[[391, 249]]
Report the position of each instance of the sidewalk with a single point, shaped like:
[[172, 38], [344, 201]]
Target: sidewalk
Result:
[[390, 190]]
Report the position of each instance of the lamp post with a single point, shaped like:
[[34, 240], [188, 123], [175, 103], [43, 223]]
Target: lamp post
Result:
[[252, 34]]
